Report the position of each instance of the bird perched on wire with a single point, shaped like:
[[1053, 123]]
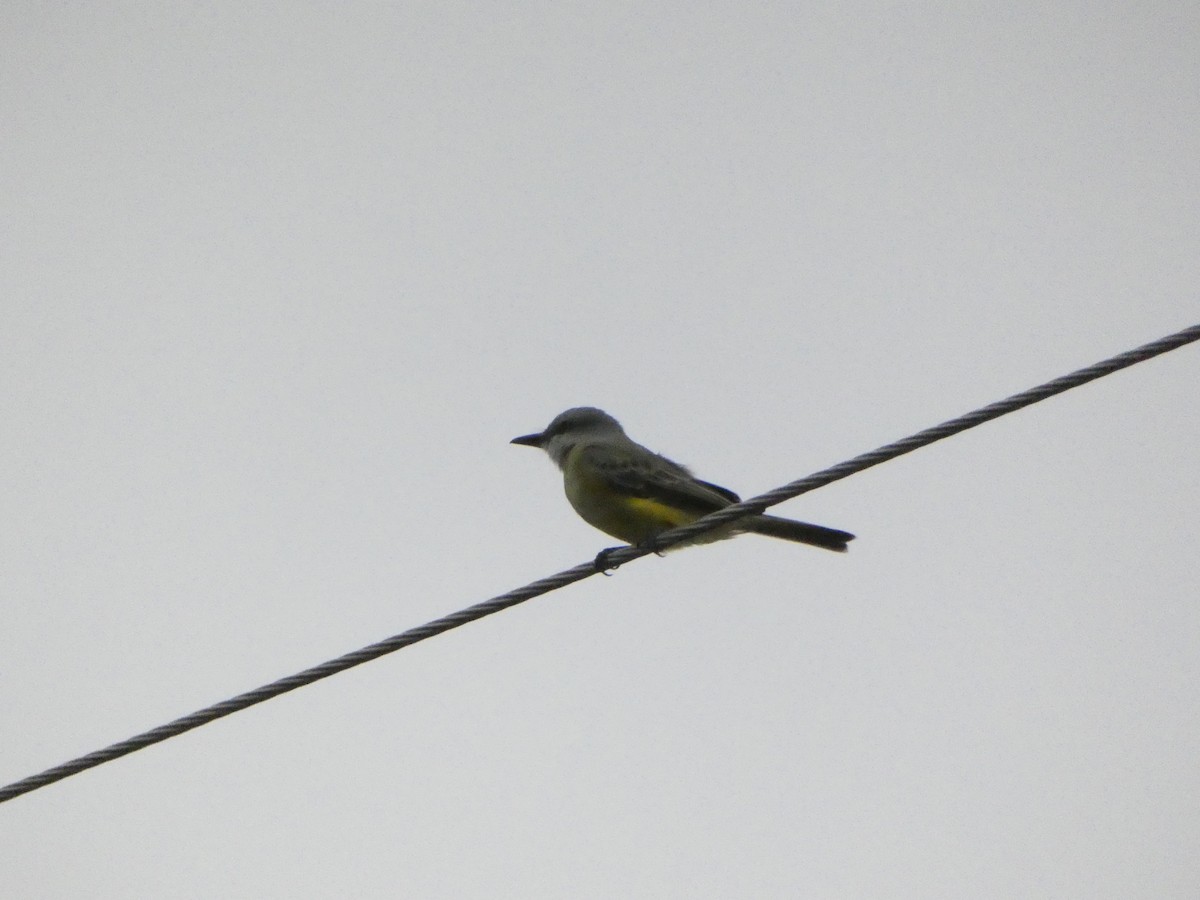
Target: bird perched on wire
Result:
[[634, 494]]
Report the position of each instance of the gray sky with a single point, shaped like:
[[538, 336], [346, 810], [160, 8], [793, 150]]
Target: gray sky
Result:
[[281, 281]]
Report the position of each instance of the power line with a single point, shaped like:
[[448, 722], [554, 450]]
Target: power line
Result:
[[618, 557]]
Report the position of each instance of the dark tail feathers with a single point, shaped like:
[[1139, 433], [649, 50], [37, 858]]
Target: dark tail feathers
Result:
[[800, 532]]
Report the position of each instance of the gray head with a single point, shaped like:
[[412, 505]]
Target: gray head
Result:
[[568, 428]]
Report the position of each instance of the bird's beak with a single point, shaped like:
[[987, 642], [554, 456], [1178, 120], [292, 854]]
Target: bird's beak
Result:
[[529, 440]]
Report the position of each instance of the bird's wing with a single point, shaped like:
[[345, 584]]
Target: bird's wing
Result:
[[661, 480]]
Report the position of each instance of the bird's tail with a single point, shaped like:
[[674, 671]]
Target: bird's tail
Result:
[[800, 532]]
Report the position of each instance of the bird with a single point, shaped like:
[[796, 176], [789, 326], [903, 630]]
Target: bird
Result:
[[634, 494]]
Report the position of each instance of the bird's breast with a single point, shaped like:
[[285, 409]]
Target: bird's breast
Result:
[[615, 512]]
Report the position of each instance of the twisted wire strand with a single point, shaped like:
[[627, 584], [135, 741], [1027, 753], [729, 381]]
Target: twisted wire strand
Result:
[[584, 570], [922, 438]]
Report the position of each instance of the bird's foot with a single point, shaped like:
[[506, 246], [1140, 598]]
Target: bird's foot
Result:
[[604, 567], [651, 544], [601, 563]]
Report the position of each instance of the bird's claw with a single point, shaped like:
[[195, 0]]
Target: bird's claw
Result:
[[651, 544], [601, 563], [604, 567]]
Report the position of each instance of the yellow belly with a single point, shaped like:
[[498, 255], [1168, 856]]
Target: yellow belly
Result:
[[630, 519]]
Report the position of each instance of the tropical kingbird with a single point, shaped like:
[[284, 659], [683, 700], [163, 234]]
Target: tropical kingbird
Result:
[[634, 494]]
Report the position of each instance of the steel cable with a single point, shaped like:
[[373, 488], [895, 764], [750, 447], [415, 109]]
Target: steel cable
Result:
[[618, 557]]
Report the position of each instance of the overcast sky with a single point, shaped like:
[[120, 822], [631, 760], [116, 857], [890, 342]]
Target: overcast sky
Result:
[[280, 282]]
